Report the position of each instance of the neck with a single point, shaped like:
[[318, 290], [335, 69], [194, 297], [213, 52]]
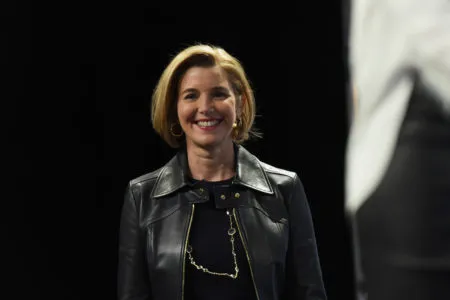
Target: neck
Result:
[[214, 164]]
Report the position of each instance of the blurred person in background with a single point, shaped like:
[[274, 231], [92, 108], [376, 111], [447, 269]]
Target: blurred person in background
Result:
[[398, 151]]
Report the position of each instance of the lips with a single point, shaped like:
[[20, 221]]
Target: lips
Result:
[[208, 124]]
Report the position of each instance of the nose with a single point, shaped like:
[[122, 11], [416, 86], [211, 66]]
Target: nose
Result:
[[205, 105]]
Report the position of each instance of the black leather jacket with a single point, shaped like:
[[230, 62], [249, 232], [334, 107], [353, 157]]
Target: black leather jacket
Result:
[[273, 219]]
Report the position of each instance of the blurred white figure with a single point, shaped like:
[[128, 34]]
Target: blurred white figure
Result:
[[398, 153]]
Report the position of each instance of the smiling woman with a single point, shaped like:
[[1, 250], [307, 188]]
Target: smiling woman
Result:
[[215, 222], [225, 76]]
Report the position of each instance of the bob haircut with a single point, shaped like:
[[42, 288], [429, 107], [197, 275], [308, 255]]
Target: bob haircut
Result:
[[165, 95]]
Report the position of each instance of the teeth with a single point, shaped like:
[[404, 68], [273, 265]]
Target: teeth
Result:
[[207, 123]]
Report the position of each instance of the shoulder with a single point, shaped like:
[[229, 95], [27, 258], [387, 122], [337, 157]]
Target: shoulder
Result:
[[282, 178], [145, 178], [145, 181], [274, 176], [286, 183], [165, 177]]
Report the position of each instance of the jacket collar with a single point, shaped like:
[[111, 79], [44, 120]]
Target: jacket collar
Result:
[[249, 173]]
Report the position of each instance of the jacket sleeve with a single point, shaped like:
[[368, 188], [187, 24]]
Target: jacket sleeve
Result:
[[133, 281], [303, 270]]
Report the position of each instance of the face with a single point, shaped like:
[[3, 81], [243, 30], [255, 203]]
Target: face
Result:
[[206, 107]]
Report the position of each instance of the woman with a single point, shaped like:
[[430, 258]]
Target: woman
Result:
[[214, 222]]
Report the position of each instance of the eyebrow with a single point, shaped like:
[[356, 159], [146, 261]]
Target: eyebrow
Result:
[[216, 88], [220, 88], [190, 90]]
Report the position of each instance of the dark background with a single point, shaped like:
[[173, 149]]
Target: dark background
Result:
[[76, 100]]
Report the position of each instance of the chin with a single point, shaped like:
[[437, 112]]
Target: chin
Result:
[[209, 143]]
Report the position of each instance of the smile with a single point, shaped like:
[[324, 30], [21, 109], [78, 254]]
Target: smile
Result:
[[208, 123]]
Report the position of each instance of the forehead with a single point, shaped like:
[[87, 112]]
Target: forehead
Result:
[[204, 77]]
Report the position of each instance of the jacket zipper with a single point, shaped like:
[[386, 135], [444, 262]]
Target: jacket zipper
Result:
[[185, 248], [246, 251]]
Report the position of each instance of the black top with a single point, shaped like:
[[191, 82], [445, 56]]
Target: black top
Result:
[[212, 249]]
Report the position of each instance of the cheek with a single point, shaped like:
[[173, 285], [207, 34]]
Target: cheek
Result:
[[184, 112], [232, 109], [179, 112]]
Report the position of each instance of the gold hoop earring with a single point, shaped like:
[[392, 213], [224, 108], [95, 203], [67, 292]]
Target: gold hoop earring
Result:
[[172, 131], [237, 123]]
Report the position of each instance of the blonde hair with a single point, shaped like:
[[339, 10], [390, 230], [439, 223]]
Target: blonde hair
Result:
[[164, 98]]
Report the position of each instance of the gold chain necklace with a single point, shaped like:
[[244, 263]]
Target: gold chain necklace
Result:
[[231, 233]]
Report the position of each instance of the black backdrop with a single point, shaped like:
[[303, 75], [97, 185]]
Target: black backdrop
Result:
[[76, 112]]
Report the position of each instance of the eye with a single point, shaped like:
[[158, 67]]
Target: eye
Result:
[[190, 96], [220, 95]]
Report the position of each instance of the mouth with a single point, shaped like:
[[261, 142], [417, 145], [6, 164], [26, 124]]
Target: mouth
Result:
[[208, 124]]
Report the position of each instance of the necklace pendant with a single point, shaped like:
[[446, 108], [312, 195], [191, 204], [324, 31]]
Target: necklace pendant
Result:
[[231, 231]]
